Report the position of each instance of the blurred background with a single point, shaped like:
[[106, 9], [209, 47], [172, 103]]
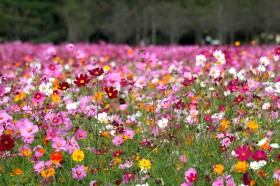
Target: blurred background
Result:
[[141, 22]]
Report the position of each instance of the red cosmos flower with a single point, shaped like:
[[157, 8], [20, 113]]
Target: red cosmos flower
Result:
[[243, 153], [277, 51], [96, 72], [82, 80], [259, 155], [111, 92], [6, 143], [63, 86], [191, 175], [238, 99]]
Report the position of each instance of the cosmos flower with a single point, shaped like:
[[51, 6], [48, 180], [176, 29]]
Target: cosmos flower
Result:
[[96, 72], [191, 175], [118, 140], [6, 143], [63, 86], [79, 172], [243, 153], [81, 80], [111, 92]]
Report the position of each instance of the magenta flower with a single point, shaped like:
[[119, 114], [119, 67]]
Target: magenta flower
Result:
[[80, 134], [191, 175], [38, 98], [277, 51], [128, 177], [243, 153], [259, 155], [79, 172], [117, 140], [276, 175]]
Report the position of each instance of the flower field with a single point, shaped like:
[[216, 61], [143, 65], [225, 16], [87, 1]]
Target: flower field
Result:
[[104, 114]]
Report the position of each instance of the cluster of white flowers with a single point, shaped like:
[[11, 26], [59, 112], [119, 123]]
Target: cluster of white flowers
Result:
[[255, 165], [220, 57]]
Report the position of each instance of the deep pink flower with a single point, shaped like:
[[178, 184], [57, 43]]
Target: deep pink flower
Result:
[[191, 175], [128, 177], [259, 155], [277, 51], [243, 153], [80, 134]]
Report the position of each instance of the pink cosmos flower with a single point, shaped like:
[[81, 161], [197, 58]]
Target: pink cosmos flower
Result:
[[218, 182], [113, 79], [59, 144], [72, 145], [230, 181], [276, 175], [140, 82], [128, 133], [80, 134], [183, 158], [38, 98], [118, 140], [79, 172], [191, 175], [128, 177], [39, 166]]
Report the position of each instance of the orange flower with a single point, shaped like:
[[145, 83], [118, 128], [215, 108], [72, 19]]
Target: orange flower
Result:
[[56, 157], [16, 171]]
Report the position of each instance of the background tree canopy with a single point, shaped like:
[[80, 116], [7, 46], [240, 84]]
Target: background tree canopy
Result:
[[136, 21]]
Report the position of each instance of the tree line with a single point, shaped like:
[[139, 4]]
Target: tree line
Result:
[[136, 21]]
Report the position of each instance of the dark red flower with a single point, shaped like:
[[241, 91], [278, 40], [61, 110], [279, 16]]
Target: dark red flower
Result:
[[63, 86], [117, 153], [118, 182], [122, 101], [239, 99], [246, 178], [96, 72], [277, 51], [82, 80], [111, 92], [259, 155], [243, 153], [6, 143]]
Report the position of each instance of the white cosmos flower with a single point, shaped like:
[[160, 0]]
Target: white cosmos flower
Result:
[[262, 163], [163, 123], [219, 55], [277, 87], [264, 61], [214, 72], [274, 145], [266, 106], [72, 106], [200, 60], [202, 84], [255, 165]]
